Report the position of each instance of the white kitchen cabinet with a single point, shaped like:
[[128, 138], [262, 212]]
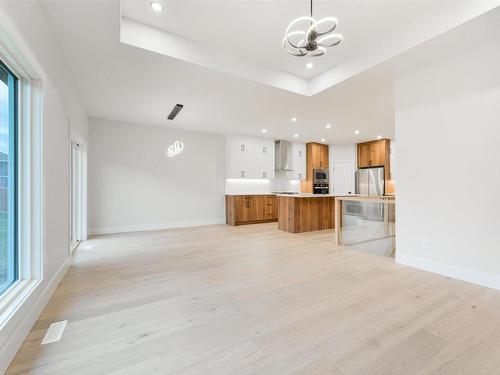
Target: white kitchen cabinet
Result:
[[264, 165], [240, 165], [263, 146], [249, 157], [263, 158], [240, 143], [299, 161]]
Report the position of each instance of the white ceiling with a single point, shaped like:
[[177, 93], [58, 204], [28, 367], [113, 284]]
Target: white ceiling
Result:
[[244, 37], [253, 30], [121, 82]]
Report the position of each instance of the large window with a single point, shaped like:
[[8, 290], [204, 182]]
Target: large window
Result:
[[8, 178]]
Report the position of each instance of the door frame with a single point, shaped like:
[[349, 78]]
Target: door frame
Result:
[[78, 195]]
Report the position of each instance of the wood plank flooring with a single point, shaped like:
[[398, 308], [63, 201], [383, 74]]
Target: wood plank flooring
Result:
[[255, 300]]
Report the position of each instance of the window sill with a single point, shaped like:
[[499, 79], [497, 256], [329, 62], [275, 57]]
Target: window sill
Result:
[[14, 298]]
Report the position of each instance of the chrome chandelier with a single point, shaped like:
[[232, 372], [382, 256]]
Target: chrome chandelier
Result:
[[315, 39]]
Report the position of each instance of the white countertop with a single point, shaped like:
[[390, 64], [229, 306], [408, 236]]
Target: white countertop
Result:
[[311, 195], [252, 194]]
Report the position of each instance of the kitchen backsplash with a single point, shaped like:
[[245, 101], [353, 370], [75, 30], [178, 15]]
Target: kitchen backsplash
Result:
[[260, 186]]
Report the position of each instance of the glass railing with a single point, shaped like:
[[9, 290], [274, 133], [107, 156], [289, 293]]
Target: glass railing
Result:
[[366, 223]]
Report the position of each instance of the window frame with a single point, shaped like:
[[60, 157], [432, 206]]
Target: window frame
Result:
[[30, 210], [13, 170]]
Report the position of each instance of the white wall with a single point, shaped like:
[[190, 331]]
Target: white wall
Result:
[[133, 185], [24, 26], [448, 180], [345, 152]]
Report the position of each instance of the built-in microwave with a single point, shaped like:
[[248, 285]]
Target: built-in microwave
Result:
[[320, 176]]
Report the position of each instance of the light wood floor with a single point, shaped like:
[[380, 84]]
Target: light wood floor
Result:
[[252, 300]]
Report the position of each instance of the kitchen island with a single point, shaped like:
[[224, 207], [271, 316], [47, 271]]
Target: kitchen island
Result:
[[306, 212]]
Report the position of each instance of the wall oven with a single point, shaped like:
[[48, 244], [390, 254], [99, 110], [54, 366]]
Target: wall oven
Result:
[[320, 181], [320, 176]]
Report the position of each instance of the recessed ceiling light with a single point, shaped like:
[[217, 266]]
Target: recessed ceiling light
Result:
[[379, 137], [294, 119], [264, 131], [322, 139], [309, 65], [356, 131], [296, 136], [328, 126], [156, 6]]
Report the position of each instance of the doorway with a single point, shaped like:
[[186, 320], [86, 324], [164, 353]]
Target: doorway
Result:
[[343, 178]]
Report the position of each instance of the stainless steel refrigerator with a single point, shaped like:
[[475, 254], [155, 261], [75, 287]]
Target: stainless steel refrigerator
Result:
[[370, 181]]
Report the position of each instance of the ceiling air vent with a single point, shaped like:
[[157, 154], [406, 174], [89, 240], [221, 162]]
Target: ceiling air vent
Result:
[[175, 111]]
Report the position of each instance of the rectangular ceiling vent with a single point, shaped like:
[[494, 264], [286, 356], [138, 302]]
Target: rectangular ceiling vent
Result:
[[175, 111]]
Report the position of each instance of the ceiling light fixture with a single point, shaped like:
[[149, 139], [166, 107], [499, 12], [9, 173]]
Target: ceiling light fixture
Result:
[[296, 136], [356, 132], [322, 139], [328, 126], [175, 148], [264, 131], [156, 6], [316, 38], [175, 111], [379, 137], [294, 119], [309, 65]]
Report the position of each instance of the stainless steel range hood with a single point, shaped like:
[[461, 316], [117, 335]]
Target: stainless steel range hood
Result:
[[283, 158]]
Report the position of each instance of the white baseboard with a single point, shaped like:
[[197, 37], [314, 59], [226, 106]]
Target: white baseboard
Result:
[[31, 311], [145, 227], [464, 274]]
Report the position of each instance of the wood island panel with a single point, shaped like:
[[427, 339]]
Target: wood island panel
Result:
[[297, 215]]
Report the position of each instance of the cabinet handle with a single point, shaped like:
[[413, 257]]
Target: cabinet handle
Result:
[[300, 176], [264, 149], [300, 154], [242, 173], [242, 148], [264, 174]]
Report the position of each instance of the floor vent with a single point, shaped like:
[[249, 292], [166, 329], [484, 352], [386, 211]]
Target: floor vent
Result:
[[55, 332]]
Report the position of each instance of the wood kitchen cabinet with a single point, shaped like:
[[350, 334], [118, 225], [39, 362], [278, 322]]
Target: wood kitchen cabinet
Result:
[[251, 209], [317, 158], [375, 154], [364, 155], [323, 156]]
